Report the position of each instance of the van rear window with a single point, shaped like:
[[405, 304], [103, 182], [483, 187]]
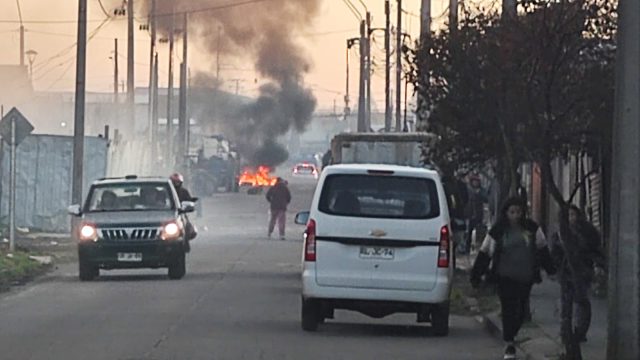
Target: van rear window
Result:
[[380, 197]]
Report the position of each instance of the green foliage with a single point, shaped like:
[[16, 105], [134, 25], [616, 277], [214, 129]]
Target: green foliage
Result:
[[525, 88]]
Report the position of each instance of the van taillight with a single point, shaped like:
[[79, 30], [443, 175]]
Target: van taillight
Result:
[[310, 241], [445, 243]]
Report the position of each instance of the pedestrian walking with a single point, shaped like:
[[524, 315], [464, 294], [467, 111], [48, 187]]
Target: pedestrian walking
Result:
[[457, 198], [516, 248], [279, 197], [578, 256], [475, 209]]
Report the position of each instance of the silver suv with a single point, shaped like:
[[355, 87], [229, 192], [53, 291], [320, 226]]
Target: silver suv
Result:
[[129, 223]]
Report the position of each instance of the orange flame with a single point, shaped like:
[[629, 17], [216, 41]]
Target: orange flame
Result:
[[259, 177]]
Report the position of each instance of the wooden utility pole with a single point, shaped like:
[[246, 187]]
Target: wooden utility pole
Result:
[[183, 122], [116, 74], [399, 69], [624, 249], [131, 109], [78, 124], [387, 64], [363, 68]]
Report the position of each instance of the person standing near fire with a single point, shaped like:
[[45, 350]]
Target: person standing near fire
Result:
[[279, 197]]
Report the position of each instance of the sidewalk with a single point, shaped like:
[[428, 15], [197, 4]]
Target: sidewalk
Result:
[[546, 308], [541, 340]]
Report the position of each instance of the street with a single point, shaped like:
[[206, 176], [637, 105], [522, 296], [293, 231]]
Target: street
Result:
[[239, 300]]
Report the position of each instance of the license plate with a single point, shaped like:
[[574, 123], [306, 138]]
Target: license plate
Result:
[[375, 252], [130, 257]]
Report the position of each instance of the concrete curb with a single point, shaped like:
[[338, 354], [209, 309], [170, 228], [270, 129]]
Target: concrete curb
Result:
[[532, 341]]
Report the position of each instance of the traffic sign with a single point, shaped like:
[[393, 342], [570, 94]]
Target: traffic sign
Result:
[[23, 126]]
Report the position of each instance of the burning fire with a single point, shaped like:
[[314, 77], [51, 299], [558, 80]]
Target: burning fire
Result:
[[259, 177]]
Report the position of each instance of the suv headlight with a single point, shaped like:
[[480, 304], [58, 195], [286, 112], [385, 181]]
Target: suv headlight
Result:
[[88, 232], [171, 231]]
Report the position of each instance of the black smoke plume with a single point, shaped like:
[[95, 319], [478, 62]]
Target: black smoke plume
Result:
[[263, 31]]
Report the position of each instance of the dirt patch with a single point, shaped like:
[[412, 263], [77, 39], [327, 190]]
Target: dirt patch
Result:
[[467, 301]]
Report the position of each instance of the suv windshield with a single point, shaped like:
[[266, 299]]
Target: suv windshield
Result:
[[130, 197], [380, 197]]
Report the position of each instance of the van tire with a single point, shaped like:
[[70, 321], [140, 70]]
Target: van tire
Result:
[[310, 314], [440, 319]]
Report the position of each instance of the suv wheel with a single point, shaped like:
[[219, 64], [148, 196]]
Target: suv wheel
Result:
[[87, 271], [440, 319], [310, 314], [178, 267]]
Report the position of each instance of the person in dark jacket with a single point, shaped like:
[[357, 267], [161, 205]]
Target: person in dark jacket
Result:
[[457, 198], [517, 248], [575, 255], [279, 197], [184, 195]]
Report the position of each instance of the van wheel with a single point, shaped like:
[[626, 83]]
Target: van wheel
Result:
[[440, 319], [178, 268], [310, 314], [87, 271]]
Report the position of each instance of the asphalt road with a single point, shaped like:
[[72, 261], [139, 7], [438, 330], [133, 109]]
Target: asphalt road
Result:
[[239, 300]]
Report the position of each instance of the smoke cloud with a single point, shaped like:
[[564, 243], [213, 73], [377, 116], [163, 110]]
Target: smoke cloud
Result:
[[262, 31]]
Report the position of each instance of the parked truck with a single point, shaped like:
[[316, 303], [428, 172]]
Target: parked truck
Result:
[[381, 148], [217, 166]]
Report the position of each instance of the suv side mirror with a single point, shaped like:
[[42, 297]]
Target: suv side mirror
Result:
[[187, 207], [302, 218], [74, 210]]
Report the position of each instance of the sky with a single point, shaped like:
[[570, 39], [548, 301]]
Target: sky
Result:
[[51, 32]]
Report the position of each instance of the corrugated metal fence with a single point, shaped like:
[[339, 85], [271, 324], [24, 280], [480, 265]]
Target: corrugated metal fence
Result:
[[44, 164]]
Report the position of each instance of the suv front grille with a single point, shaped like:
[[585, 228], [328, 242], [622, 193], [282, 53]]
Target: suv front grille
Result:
[[129, 234]]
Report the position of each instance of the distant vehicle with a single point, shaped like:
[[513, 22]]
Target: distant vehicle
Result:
[[129, 223], [377, 241], [407, 149], [216, 166], [305, 170]]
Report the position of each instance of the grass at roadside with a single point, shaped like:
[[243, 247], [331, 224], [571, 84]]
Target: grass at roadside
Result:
[[17, 268]]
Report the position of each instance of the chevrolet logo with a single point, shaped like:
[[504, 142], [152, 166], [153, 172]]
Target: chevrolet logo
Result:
[[378, 233]]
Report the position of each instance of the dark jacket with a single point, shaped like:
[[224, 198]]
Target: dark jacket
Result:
[[184, 194], [457, 199], [583, 250], [486, 259], [279, 197]]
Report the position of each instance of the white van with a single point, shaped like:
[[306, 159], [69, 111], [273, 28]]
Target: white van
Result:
[[378, 241]]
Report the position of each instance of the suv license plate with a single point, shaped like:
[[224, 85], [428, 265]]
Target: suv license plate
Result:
[[130, 257], [374, 252]]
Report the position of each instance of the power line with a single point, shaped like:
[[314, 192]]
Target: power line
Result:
[[194, 11]]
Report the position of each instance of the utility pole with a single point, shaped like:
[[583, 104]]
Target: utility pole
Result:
[[218, 56], [509, 7], [183, 123], [169, 146], [363, 68], [399, 69], [78, 125], [347, 109], [154, 113], [422, 117], [115, 72], [624, 249], [425, 19], [21, 34], [368, 48], [152, 26], [387, 70], [453, 15], [130, 70]]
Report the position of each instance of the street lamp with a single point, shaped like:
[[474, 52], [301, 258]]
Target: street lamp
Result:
[[31, 54]]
